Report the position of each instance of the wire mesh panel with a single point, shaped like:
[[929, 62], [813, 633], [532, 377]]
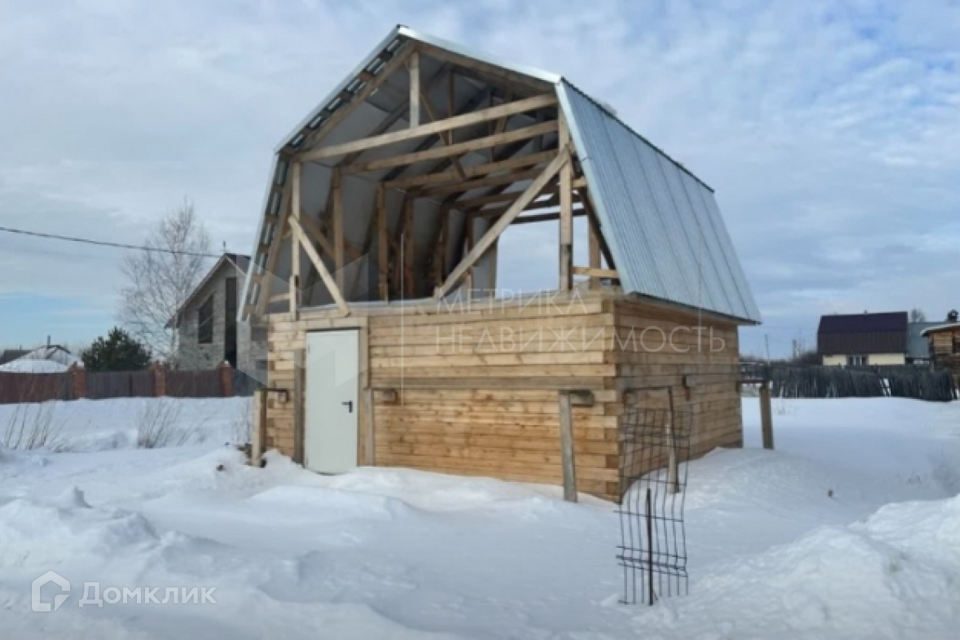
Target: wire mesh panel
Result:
[[653, 479]]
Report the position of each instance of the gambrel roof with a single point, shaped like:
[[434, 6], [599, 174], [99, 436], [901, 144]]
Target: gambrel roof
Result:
[[661, 224]]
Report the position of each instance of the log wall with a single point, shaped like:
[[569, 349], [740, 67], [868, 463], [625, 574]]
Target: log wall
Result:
[[474, 390]]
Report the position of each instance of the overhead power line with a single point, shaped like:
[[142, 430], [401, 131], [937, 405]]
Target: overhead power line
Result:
[[104, 243]]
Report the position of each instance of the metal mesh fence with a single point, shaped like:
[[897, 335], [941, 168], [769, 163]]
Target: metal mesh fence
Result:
[[653, 479]]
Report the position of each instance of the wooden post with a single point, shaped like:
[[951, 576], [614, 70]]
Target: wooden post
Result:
[[673, 472], [257, 437], [338, 228], [159, 379], [766, 415], [566, 448], [594, 255], [298, 408], [566, 212], [383, 244], [369, 441], [294, 283], [413, 65]]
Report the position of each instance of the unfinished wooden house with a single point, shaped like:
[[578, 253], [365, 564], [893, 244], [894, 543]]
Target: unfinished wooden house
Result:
[[391, 341]]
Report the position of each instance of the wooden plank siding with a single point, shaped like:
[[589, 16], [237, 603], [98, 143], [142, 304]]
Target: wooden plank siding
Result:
[[475, 391]]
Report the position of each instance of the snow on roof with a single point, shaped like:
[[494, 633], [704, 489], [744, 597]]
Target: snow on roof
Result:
[[940, 327], [33, 366]]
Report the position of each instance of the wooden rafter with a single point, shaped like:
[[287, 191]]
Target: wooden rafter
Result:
[[433, 127], [431, 179], [596, 272], [318, 264], [495, 230], [413, 66], [523, 133], [566, 213]]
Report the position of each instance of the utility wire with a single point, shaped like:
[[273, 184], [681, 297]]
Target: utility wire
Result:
[[104, 243]]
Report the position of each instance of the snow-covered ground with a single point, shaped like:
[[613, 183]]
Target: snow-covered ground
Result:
[[849, 530]]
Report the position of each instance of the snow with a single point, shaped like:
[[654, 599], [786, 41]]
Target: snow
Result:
[[33, 366], [850, 529]]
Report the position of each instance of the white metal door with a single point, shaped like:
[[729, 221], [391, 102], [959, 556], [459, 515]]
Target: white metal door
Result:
[[330, 426]]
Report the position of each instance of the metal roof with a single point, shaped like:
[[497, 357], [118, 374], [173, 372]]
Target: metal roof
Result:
[[661, 223], [863, 322]]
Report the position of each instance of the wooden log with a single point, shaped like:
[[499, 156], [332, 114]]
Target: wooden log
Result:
[[566, 448]]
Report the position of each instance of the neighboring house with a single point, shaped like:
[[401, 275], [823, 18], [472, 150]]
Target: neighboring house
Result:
[[387, 204], [48, 359], [918, 347], [207, 329], [9, 355], [944, 341], [863, 339]]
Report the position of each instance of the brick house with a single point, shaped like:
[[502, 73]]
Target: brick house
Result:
[[207, 329]]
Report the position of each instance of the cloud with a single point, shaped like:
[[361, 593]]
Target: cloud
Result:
[[829, 130]]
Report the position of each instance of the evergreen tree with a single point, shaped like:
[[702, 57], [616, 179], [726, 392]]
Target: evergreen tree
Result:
[[117, 352]]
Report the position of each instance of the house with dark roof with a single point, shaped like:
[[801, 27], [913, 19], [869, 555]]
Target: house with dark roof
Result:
[[863, 339], [207, 329]]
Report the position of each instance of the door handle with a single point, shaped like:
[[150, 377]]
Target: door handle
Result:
[[349, 405]]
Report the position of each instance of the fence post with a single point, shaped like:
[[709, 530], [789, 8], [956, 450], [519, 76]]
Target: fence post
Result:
[[78, 381], [159, 379], [226, 379], [766, 415], [566, 448]]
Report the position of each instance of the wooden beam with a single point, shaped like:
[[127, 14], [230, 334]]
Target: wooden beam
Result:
[[413, 66], [567, 458], [319, 266], [498, 227], [338, 262], [491, 181], [471, 172], [596, 272], [766, 416], [594, 242], [566, 213], [383, 245], [454, 149], [409, 250], [585, 198], [545, 217], [294, 283], [435, 126]]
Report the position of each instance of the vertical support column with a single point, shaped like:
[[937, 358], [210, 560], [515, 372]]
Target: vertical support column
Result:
[[594, 255], [225, 371], [673, 471], [78, 381], [383, 244], [369, 440], [298, 431], [566, 211], [409, 249], [159, 379], [566, 448], [294, 285], [338, 228], [257, 439], [766, 415], [413, 66], [468, 280]]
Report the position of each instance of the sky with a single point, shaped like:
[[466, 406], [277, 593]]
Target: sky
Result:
[[829, 131]]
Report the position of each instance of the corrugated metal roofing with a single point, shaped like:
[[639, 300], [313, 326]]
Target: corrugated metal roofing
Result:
[[863, 322], [662, 223]]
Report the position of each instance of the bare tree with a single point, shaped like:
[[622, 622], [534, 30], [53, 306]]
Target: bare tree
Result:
[[917, 315], [161, 278]]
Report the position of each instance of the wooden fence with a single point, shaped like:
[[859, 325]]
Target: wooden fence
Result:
[[157, 381], [908, 381]]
